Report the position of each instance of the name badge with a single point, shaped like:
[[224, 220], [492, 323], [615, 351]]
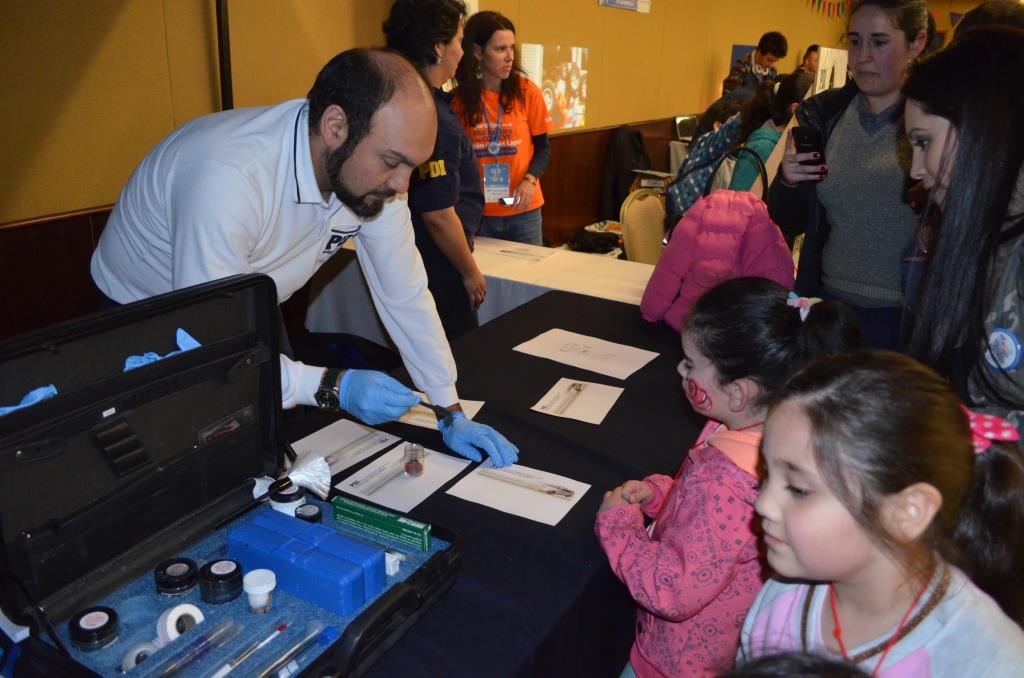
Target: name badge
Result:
[[496, 181], [1004, 350]]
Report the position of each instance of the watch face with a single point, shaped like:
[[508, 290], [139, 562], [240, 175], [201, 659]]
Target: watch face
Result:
[[326, 399]]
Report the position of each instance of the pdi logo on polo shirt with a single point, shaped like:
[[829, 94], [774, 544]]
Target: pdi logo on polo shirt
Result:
[[334, 242], [432, 169]]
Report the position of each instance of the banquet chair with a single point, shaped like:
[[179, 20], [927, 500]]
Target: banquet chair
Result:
[[642, 219]]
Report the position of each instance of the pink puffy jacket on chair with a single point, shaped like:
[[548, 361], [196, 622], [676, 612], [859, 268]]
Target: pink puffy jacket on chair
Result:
[[725, 235]]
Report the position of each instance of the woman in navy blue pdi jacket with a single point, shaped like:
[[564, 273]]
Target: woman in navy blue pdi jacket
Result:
[[852, 207], [445, 197]]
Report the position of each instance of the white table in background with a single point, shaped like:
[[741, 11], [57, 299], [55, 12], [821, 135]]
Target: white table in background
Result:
[[515, 273]]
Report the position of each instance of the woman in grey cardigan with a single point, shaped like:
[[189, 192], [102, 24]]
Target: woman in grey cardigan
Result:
[[852, 207]]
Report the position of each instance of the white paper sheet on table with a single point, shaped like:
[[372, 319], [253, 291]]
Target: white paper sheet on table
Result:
[[580, 400], [526, 252], [521, 490], [345, 443], [590, 353], [424, 417], [383, 481]]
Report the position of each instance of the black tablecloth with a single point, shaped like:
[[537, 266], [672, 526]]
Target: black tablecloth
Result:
[[531, 599]]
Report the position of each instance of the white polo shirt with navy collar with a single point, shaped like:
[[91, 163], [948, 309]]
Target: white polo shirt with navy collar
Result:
[[235, 192]]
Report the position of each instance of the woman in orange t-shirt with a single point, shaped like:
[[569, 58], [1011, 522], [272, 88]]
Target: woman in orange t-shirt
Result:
[[506, 119]]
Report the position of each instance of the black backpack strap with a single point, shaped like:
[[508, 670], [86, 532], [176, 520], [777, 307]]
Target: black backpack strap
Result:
[[761, 169]]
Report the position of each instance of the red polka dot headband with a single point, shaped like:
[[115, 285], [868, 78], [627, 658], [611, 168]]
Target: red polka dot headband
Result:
[[985, 428]]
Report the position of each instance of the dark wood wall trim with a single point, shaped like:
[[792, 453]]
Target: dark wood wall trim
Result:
[[103, 211], [44, 270], [572, 182]]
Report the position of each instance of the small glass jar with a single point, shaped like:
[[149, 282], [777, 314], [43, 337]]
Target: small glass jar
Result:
[[413, 460]]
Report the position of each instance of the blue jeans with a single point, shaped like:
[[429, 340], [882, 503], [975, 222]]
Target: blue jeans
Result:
[[524, 227]]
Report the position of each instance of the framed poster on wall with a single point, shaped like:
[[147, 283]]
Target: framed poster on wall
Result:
[[561, 73]]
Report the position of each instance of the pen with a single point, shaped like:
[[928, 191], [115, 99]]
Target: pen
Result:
[[312, 631], [247, 652], [324, 640], [543, 488], [218, 637]]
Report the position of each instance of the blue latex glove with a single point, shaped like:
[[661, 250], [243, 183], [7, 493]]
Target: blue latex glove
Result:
[[468, 438], [31, 398], [185, 343], [373, 396]]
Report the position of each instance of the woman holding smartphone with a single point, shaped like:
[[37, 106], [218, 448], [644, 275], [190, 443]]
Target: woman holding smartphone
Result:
[[444, 193], [506, 119], [852, 210]]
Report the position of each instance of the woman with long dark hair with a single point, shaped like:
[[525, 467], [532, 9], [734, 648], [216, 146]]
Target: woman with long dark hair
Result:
[[505, 117], [445, 197], [964, 109]]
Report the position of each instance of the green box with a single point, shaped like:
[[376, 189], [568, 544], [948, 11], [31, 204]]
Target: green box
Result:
[[381, 523]]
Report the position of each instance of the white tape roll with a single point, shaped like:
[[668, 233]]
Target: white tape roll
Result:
[[176, 620], [138, 653]]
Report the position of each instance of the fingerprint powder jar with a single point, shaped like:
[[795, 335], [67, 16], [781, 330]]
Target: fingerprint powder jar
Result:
[[93, 628], [176, 576], [220, 581]]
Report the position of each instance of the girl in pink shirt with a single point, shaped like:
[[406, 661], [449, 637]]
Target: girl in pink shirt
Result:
[[695, 571]]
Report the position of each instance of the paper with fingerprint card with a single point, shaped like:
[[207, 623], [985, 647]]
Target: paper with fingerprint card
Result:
[[345, 443], [521, 490], [384, 481], [580, 400], [589, 353]]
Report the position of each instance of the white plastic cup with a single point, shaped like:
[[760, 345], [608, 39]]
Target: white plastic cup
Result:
[[259, 586]]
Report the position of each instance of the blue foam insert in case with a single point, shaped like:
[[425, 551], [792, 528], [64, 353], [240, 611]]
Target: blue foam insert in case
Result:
[[138, 604], [122, 470], [302, 570], [369, 558]]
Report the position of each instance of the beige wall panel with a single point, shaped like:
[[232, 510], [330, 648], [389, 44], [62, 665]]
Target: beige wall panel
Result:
[[742, 22], [278, 47], [192, 58], [86, 94], [91, 85], [684, 49], [669, 62]]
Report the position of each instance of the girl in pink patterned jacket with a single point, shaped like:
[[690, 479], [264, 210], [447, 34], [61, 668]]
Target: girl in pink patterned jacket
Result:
[[696, 570]]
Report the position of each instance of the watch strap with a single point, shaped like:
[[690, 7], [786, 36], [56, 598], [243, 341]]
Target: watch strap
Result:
[[329, 392], [332, 379]]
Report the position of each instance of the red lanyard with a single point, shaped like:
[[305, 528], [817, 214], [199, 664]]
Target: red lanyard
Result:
[[838, 631]]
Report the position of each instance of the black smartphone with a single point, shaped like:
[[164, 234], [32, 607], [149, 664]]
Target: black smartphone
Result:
[[808, 140]]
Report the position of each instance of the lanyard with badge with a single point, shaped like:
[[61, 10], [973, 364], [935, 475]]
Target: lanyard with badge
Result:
[[496, 175]]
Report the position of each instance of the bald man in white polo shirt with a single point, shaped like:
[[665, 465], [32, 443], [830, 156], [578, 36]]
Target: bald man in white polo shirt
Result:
[[278, 190]]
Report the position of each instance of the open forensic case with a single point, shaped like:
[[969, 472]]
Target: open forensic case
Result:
[[119, 494]]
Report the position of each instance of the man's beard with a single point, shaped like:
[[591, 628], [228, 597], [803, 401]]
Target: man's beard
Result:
[[357, 203]]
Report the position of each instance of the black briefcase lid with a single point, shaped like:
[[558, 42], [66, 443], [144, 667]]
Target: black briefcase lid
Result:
[[121, 469]]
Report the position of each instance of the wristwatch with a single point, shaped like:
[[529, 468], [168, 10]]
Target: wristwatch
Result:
[[326, 395]]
